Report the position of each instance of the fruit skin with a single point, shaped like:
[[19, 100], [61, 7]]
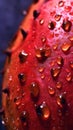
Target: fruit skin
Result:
[[39, 70]]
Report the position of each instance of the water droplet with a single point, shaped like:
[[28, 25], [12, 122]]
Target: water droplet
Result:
[[43, 39], [57, 17], [59, 85], [51, 90], [71, 39], [66, 25], [43, 111], [68, 8], [24, 118], [55, 46], [34, 90], [60, 61], [71, 64], [10, 78], [51, 25], [55, 72], [65, 47], [61, 3], [18, 103], [41, 69], [41, 21], [61, 101], [22, 78], [42, 76], [43, 53], [69, 77], [23, 56]]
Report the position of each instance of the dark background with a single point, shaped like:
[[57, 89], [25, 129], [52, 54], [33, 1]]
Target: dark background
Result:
[[11, 15]]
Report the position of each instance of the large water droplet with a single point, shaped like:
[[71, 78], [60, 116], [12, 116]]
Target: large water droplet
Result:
[[59, 85], [61, 101], [66, 25], [66, 46], [51, 25], [55, 72], [23, 56], [61, 3], [60, 61], [71, 39], [58, 17], [43, 111], [43, 53], [34, 90]]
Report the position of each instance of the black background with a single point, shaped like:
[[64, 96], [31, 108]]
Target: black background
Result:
[[11, 15]]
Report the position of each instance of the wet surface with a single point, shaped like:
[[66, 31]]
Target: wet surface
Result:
[[11, 15]]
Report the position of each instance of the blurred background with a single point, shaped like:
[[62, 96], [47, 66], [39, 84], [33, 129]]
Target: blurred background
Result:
[[11, 15]]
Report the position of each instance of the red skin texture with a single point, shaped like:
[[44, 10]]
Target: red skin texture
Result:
[[57, 36]]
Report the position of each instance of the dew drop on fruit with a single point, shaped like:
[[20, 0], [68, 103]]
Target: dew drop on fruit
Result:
[[42, 76], [66, 25], [43, 39], [65, 47], [22, 56], [61, 101], [43, 111], [71, 64], [34, 90], [24, 118], [55, 72], [57, 17], [60, 61], [59, 85], [43, 53], [55, 46], [41, 69], [22, 78], [51, 25], [41, 21], [68, 8], [69, 77], [71, 39], [61, 3], [51, 90]]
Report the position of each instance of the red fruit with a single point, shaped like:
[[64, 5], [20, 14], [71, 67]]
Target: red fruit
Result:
[[38, 81]]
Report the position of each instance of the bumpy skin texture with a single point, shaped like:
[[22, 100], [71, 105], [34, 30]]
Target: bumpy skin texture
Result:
[[38, 80]]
